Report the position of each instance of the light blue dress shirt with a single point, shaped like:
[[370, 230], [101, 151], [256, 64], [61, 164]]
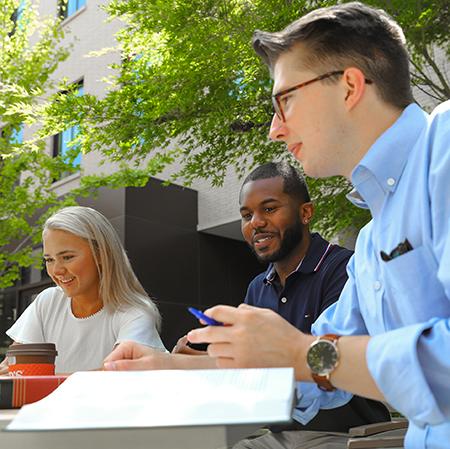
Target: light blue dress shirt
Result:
[[310, 399], [404, 179]]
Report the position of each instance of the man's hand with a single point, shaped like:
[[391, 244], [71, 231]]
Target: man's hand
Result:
[[254, 338], [132, 356], [182, 348]]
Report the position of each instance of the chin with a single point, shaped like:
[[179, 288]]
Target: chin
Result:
[[316, 173], [310, 171], [264, 258]]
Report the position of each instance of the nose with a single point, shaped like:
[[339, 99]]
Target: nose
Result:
[[58, 268], [278, 130], [257, 221]]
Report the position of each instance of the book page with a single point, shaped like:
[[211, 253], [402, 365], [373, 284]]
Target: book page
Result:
[[101, 399]]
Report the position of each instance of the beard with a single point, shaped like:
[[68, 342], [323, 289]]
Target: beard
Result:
[[292, 237]]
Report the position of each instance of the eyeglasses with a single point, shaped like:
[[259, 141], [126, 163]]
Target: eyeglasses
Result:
[[275, 98]]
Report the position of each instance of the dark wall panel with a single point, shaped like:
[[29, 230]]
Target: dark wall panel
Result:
[[177, 322], [226, 268], [111, 203], [164, 259], [170, 205]]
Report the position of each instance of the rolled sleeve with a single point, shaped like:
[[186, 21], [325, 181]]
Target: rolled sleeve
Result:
[[311, 399], [411, 367]]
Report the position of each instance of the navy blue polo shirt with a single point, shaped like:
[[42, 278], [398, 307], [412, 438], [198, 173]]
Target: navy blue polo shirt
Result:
[[309, 290]]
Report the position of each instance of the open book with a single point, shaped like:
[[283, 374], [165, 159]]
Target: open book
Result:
[[97, 399]]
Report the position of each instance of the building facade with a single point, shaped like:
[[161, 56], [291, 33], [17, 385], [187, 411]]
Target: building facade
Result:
[[185, 244]]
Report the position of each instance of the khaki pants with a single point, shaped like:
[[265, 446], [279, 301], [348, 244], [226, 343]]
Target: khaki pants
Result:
[[296, 439]]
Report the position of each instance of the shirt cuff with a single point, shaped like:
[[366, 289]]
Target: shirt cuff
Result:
[[393, 362], [310, 399]]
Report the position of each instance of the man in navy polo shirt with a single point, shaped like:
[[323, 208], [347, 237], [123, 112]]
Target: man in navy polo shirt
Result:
[[306, 275]]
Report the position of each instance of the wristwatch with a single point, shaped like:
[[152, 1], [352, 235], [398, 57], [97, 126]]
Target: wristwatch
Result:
[[323, 359]]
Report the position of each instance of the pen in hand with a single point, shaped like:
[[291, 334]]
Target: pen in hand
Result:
[[201, 316]]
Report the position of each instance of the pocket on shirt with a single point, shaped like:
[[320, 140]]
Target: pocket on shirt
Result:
[[410, 281]]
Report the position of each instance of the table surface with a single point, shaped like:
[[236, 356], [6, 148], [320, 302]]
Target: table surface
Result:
[[192, 437]]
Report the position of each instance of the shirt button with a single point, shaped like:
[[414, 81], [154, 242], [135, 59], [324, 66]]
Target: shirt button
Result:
[[391, 181], [377, 285], [284, 300]]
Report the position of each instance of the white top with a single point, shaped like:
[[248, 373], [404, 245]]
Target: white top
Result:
[[82, 343]]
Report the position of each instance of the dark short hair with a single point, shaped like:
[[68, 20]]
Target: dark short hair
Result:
[[342, 36], [294, 183]]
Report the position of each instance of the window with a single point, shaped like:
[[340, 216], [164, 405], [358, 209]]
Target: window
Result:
[[16, 139], [32, 275], [16, 136], [17, 17], [61, 140], [68, 7]]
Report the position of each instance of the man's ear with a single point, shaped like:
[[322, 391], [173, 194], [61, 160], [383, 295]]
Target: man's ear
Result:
[[306, 212], [355, 83]]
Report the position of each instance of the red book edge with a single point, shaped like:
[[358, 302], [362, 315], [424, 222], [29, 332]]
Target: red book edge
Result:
[[29, 389]]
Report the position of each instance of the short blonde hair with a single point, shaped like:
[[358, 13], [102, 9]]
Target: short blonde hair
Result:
[[119, 287]]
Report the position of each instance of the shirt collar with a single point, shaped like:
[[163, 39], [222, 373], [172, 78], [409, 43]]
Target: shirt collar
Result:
[[381, 168], [311, 262]]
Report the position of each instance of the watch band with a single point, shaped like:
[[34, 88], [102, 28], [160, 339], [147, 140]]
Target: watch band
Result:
[[323, 382]]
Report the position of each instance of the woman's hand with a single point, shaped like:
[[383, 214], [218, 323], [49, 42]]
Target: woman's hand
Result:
[[182, 348], [132, 356], [4, 369]]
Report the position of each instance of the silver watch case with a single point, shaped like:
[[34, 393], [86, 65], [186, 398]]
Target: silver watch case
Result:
[[323, 357]]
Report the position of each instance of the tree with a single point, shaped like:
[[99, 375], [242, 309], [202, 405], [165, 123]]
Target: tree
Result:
[[426, 24], [191, 85], [30, 51], [26, 173]]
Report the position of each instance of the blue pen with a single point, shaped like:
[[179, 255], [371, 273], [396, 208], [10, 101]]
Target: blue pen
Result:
[[201, 316]]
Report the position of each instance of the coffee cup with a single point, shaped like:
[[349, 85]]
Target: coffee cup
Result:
[[35, 359]]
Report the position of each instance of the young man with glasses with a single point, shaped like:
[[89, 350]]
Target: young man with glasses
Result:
[[356, 117]]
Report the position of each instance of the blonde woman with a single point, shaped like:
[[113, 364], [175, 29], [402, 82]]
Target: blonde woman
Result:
[[97, 302]]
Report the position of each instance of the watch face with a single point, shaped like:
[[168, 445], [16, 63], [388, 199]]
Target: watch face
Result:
[[322, 357]]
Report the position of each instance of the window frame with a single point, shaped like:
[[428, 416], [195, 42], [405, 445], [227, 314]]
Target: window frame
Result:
[[59, 141], [66, 8]]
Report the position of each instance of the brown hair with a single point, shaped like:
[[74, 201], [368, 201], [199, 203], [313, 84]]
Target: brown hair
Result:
[[343, 36]]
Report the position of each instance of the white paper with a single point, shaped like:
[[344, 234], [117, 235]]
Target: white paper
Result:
[[100, 399]]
